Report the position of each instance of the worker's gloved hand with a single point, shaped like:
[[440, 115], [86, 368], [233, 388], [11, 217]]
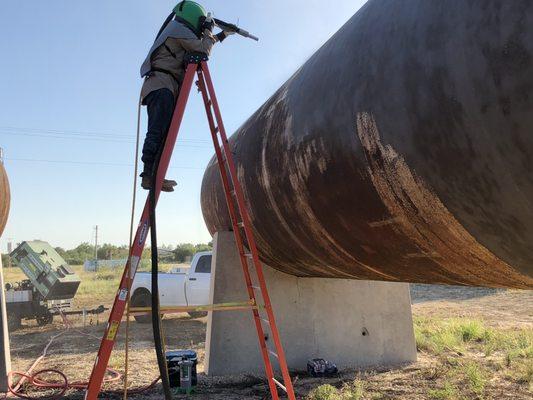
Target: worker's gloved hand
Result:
[[207, 23], [223, 35]]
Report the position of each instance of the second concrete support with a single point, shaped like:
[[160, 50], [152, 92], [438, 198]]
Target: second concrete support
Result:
[[352, 323]]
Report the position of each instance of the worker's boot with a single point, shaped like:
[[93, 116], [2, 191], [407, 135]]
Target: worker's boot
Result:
[[168, 186]]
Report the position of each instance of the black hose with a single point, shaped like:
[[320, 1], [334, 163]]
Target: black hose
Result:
[[167, 21], [156, 315], [156, 320]]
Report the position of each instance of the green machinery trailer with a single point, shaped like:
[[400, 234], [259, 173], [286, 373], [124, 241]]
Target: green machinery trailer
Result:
[[49, 289], [46, 269]]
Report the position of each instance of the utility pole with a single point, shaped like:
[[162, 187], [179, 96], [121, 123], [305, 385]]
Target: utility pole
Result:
[[9, 250], [96, 248]]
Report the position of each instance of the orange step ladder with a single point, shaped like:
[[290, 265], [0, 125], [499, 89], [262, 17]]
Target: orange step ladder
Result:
[[241, 228]]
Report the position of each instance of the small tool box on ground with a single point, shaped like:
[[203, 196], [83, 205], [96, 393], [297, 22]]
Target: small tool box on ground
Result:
[[181, 366], [319, 367]]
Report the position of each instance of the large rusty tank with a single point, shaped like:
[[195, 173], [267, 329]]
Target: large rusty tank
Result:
[[401, 151], [4, 198]]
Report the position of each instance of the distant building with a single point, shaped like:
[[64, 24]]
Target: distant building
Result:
[[90, 265]]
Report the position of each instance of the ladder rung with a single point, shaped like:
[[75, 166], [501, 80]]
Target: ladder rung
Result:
[[265, 320], [216, 129], [256, 287], [233, 192], [280, 385], [240, 224], [249, 255], [273, 353]]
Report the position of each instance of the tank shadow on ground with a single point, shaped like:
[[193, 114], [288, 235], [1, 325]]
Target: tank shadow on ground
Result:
[[421, 293]]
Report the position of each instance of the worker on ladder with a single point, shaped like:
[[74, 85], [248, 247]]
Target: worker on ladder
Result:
[[187, 30]]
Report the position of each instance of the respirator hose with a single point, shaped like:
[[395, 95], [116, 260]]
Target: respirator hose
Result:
[[156, 315]]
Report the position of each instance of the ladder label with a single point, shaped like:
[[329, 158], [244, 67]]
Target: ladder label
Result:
[[143, 233], [113, 329], [123, 294]]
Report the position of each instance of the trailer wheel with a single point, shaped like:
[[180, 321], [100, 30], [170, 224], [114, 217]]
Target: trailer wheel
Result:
[[45, 318], [142, 299], [14, 321]]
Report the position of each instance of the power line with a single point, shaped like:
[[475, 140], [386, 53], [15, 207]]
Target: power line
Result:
[[104, 139], [109, 164], [81, 133]]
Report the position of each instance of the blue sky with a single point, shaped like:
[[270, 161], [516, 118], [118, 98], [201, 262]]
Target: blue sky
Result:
[[70, 86]]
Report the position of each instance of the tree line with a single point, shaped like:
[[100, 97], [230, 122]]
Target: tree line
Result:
[[85, 251]]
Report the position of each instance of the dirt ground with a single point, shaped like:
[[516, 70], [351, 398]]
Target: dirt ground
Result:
[[74, 353]]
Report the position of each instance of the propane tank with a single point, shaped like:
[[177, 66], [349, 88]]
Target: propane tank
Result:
[[400, 151], [5, 197]]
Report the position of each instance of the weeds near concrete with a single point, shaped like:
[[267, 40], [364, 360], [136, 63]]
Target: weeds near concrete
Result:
[[350, 391], [353, 391], [447, 392], [324, 392], [476, 378], [471, 352], [437, 336]]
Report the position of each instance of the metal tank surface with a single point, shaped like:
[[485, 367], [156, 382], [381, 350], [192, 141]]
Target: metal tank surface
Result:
[[4, 198], [401, 151]]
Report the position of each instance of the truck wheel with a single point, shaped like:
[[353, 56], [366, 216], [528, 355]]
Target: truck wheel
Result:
[[44, 318], [197, 314], [14, 321], [142, 299]]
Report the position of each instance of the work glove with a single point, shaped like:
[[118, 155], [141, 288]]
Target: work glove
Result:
[[223, 35], [207, 23]]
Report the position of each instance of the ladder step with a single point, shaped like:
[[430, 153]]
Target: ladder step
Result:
[[249, 255], [217, 130], [240, 224], [273, 353], [256, 287], [279, 384], [266, 321]]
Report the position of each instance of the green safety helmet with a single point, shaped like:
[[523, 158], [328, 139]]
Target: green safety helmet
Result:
[[190, 12]]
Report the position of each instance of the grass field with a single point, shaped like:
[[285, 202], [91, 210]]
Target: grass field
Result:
[[469, 361], [472, 344]]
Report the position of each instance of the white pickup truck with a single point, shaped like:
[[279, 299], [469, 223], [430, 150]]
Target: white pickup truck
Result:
[[176, 288]]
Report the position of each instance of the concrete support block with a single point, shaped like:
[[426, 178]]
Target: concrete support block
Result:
[[354, 324]]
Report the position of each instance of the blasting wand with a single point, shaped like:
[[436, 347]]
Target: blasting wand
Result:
[[226, 26]]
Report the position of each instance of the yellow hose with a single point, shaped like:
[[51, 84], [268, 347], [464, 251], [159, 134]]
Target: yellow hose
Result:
[[134, 198]]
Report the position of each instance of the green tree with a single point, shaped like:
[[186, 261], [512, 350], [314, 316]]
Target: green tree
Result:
[[183, 251], [78, 255], [5, 260], [111, 252], [203, 247], [61, 251]]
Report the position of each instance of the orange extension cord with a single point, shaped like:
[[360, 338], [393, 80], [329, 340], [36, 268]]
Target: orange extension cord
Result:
[[36, 380], [63, 385]]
